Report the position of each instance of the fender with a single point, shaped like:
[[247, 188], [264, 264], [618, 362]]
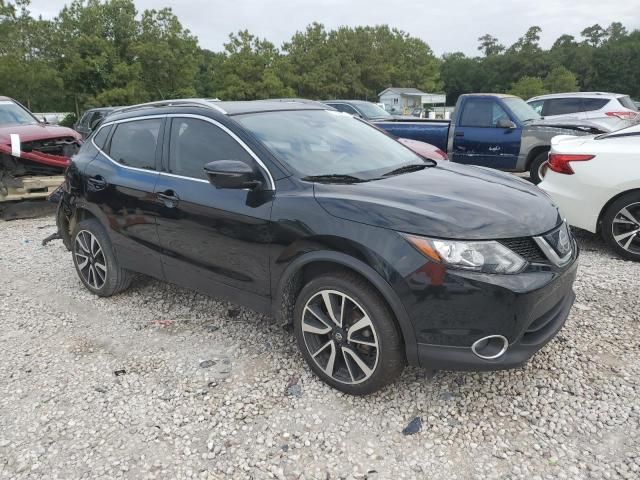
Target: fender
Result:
[[368, 273]]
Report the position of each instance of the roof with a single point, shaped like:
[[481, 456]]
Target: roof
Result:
[[496, 95], [403, 91], [578, 94], [231, 108], [348, 102]]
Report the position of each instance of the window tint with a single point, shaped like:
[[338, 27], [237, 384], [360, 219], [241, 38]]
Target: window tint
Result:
[[342, 107], [134, 143], [194, 143], [590, 104], [482, 112], [626, 102], [562, 106], [101, 137]]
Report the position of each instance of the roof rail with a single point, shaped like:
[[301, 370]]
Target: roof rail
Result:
[[180, 102]]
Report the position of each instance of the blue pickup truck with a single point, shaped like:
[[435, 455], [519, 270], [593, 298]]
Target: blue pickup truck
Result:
[[490, 130]]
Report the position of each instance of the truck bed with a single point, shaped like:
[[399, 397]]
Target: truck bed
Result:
[[435, 132]]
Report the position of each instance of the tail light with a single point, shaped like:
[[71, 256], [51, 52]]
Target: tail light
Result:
[[559, 162], [442, 154], [622, 115]]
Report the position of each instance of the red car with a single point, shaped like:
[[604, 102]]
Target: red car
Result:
[[30, 148]]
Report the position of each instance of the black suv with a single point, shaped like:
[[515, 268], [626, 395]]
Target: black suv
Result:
[[377, 256]]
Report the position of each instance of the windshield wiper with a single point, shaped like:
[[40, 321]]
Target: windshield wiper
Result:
[[334, 178], [406, 169]]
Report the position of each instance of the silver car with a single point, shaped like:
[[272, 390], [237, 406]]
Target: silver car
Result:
[[611, 110]]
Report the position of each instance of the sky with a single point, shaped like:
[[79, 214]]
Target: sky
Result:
[[448, 26]]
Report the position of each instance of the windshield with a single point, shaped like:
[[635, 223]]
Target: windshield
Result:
[[371, 110], [323, 142], [13, 114], [521, 109]]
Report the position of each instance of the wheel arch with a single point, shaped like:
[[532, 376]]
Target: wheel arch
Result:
[[609, 203], [314, 263], [535, 151]]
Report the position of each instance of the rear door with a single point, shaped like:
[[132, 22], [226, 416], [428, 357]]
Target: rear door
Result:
[[120, 181], [214, 240], [479, 141]]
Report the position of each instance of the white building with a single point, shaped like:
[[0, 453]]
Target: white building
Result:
[[401, 101]]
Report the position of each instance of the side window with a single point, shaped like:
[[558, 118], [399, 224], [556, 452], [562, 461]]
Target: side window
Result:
[[84, 120], [482, 112], [537, 106], [133, 144], [343, 107], [101, 137], [591, 104], [562, 106], [194, 143]]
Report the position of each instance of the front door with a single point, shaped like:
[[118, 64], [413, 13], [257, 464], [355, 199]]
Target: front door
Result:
[[214, 240], [121, 182], [479, 141]]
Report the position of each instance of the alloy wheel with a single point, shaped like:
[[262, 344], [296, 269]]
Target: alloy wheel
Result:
[[90, 259], [626, 228], [340, 337], [542, 170]]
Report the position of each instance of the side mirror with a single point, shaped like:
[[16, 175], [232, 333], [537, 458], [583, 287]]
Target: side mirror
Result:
[[232, 174], [505, 123]]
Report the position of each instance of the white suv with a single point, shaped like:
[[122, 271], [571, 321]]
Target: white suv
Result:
[[610, 110]]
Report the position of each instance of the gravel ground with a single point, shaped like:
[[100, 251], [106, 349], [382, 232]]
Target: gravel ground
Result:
[[160, 382]]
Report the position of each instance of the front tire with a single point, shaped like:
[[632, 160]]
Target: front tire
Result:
[[537, 167], [95, 261], [347, 334], [621, 226]]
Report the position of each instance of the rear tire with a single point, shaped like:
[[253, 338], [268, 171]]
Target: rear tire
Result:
[[95, 261], [537, 165], [621, 226], [341, 315]]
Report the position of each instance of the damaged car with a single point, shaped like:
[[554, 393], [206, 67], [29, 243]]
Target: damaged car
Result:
[[33, 154]]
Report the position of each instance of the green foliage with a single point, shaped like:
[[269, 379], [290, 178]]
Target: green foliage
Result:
[[68, 120], [105, 52], [560, 79], [528, 87]]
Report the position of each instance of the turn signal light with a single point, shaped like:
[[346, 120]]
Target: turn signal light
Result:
[[559, 162]]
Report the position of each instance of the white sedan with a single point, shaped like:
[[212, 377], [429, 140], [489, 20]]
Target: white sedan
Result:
[[595, 181]]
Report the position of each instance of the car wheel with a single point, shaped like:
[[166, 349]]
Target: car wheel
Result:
[[95, 262], [538, 167], [621, 226], [347, 334]]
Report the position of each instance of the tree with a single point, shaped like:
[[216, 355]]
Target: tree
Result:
[[560, 79], [461, 74], [528, 87], [529, 42], [594, 35], [490, 45], [250, 70]]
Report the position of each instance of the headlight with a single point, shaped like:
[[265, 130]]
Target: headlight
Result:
[[486, 257]]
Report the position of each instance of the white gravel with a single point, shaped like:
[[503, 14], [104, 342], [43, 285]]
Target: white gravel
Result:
[[211, 391]]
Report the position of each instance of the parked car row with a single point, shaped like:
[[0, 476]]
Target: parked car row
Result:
[[490, 130]]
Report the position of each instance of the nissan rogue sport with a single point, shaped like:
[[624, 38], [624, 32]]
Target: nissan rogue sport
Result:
[[377, 256]]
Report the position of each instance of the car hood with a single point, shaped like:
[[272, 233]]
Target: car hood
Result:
[[39, 131], [445, 201]]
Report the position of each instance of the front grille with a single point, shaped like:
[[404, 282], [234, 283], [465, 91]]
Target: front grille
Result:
[[526, 247]]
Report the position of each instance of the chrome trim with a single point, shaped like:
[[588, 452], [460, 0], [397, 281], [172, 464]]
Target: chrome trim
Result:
[[232, 135], [551, 253], [505, 346], [272, 183]]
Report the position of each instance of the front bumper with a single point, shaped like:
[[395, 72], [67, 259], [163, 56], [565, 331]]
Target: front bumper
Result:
[[527, 309]]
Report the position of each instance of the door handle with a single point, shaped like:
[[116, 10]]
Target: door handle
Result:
[[96, 183], [459, 134], [169, 198]]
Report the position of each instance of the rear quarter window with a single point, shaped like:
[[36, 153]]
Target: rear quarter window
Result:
[[100, 138], [626, 102]]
